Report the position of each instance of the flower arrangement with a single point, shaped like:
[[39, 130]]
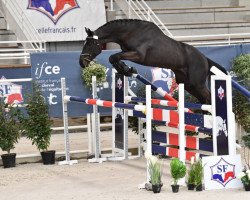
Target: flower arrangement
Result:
[[155, 172], [244, 176], [94, 69]]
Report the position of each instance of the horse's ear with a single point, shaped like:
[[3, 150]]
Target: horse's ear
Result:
[[89, 32]]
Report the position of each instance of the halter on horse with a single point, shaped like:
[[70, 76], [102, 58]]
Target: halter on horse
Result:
[[144, 43]]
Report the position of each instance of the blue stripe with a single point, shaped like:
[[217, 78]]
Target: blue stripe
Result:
[[193, 105], [78, 99], [156, 149], [159, 136], [206, 144], [205, 130], [124, 106], [242, 89], [138, 99], [194, 119]]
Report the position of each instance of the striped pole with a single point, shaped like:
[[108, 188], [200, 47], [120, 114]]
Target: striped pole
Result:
[[158, 90], [204, 107], [187, 127], [103, 103]]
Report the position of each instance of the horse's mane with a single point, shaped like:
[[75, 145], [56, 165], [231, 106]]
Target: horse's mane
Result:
[[122, 21]]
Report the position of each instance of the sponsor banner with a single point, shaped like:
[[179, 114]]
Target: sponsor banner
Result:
[[11, 91], [64, 20], [220, 172], [49, 68]]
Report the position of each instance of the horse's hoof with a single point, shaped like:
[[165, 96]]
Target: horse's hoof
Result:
[[130, 71], [133, 70]]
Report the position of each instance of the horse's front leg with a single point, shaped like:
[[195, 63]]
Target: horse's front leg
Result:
[[120, 66]]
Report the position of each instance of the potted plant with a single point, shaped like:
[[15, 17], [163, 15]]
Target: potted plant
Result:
[[178, 171], [10, 131], [94, 69], [191, 176], [244, 176], [38, 124], [198, 169], [155, 172]]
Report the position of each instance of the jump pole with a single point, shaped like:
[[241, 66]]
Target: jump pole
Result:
[[67, 160]]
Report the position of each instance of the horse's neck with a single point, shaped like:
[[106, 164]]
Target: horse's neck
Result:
[[109, 34]]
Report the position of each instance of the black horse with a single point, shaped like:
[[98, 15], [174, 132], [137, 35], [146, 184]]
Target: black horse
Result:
[[144, 43]]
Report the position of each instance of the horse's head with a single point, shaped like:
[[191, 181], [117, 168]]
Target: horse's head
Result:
[[91, 48]]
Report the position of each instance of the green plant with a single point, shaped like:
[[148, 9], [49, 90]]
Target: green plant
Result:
[[37, 123], [177, 169], [10, 127], [244, 176], [191, 175], [155, 169], [94, 69], [240, 103], [246, 139], [198, 172]]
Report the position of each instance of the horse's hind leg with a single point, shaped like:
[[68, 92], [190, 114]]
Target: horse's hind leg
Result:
[[201, 93], [120, 66]]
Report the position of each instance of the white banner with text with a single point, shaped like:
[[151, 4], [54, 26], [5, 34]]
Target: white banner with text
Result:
[[64, 20]]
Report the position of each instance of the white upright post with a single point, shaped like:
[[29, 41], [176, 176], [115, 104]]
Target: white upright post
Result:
[[140, 138], [90, 135], [181, 123], [67, 160], [182, 141], [125, 120], [95, 119], [148, 126], [231, 119], [214, 130], [113, 112]]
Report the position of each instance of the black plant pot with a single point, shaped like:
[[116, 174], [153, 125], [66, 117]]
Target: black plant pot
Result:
[[199, 187], [9, 160], [48, 157], [156, 188], [175, 188], [191, 186], [247, 187]]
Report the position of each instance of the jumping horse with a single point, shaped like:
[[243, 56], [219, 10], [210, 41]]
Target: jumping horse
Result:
[[144, 43]]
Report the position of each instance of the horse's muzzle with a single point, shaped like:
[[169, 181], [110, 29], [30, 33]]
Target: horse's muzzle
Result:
[[83, 61]]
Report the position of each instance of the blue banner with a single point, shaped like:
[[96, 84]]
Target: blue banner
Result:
[[48, 68]]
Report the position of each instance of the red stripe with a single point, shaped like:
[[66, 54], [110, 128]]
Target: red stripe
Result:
[[174, 117], [173, 124], [92, 101], [190, 127], [155, 101], [191, 142], [172, 103], [169, 97], [172, 152], [173, 139], [107, 103], [189, 155], [157, 114]]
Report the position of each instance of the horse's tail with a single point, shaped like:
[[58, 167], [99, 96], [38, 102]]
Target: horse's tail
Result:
[[212, 63]]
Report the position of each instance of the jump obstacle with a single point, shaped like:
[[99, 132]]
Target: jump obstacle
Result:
[[167, 138]]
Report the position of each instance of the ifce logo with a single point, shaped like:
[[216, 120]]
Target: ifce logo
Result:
[[223, 172]]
